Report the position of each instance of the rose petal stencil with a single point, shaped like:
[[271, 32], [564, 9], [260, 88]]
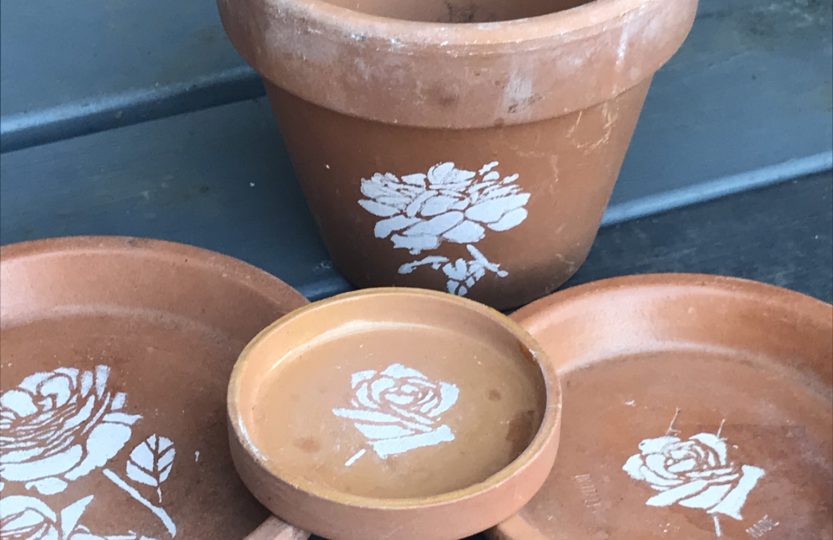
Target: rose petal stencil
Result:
[[398, 410], [59, 426], [421, 211], [694, 473]]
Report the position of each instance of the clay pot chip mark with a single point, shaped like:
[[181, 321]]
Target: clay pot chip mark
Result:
[[524, 103]]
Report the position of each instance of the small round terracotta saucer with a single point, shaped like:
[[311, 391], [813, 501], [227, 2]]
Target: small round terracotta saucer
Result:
[[695, 407], [115, 358], [394, 413]]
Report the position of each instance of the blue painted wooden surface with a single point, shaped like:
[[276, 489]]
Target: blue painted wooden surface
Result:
[[88, 65]]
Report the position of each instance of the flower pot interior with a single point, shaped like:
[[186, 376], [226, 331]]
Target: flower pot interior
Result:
[[389, 396], [695, 404], [458, 11], [115, 365]]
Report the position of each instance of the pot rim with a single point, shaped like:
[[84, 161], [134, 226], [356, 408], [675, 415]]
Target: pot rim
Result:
[[456, 75], [589, 17], [539, 312], [546, 434], [236, 270]]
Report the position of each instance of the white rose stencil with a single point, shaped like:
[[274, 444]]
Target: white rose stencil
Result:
[[422, 211], [30, 518], [398, 410], [58, 426], [694, 473]]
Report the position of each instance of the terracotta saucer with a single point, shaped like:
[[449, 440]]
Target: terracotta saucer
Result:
[[695, 407], [116, 354], [394, 413]]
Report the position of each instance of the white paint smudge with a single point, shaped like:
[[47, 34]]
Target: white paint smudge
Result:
[[355, 457]]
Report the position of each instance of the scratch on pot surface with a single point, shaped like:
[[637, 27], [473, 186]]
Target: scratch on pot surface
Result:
[[362, 69], [572, 130], [552, 186], [570, 264], [517, 94], [609, 117]]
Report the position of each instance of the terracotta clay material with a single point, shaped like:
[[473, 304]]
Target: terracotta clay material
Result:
[[115, 359], [393, 413], [696, 407], [467, 146]]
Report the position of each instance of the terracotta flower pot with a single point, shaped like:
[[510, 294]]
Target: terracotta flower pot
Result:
[[468, 146]]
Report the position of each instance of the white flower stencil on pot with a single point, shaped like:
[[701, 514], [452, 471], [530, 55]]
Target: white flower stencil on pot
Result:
[[59, 426], [445, 205], [694, 473], [398, 410]]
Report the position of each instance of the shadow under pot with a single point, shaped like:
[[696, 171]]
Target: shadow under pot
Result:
[[392, 413], [466, 146]]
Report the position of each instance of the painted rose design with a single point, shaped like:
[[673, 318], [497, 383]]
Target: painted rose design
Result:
[[31, 519], [421, 211], [58, 426], [399, 409], [694, 473], [28, 518], [446, 205]]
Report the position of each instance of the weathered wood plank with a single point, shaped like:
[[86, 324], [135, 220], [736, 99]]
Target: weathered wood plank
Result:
[[70, 68], [781, 235]]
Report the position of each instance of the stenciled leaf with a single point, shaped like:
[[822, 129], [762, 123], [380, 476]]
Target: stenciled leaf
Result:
[[150, 463]]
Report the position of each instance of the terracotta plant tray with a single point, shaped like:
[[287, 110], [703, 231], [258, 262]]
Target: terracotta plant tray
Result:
[[116, 354], [392, 413], [695, 407]]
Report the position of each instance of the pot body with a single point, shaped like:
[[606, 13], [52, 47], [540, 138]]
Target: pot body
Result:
[[408, 206], [473, 158]]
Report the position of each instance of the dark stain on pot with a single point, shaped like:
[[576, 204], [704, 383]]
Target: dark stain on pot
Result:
[[524, 103], [494, 395], [526, 353], [442, 96], [459, 14], [309, 445], [520, 431], [137, 242]]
